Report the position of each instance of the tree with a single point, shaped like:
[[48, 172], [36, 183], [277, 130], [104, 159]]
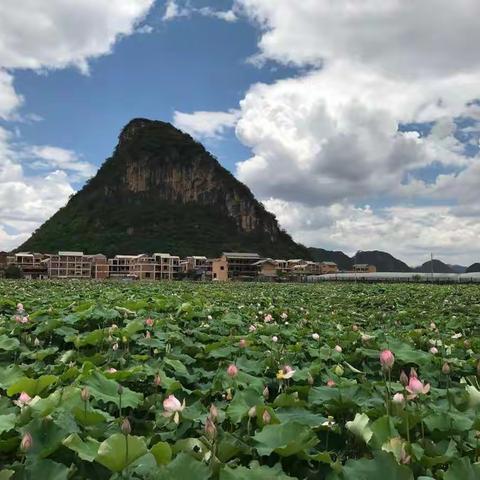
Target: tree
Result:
[[12, 271]]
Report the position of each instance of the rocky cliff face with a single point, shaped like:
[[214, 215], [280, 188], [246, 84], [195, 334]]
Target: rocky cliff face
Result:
[[162, 176]]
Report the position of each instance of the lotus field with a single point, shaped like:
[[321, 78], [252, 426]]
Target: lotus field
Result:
[[196, 381]]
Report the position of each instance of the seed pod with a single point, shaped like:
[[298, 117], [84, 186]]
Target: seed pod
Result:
[[126, 427]]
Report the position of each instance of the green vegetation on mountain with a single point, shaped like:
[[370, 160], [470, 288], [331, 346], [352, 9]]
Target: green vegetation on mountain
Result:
[[163, 192]]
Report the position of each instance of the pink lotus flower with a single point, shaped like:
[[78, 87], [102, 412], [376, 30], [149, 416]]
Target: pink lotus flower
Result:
[[288, 372], [172, 408], [434, 350], [20, 307], [268, 318], [149, 322], [387, 359], [147, 335], [23, 399], [331, 383], [415, 387], [242, 343], [252, 328], [232, 370], [284, 315], [338, 349], [112, 370]]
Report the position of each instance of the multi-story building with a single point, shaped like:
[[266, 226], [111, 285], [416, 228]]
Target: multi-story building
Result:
[[100, 267], [32, 265], [364, 268], [169, 266], [328, 267], [69, 265], [235, 265], [121, 266]]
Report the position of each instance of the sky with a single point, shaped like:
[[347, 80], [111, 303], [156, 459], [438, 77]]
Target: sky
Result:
[[356, 123]]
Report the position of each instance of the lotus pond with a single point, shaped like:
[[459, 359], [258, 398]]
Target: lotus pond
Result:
[[198, 381]]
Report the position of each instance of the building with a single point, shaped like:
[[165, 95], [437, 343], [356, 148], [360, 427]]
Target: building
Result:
[[364, 268], [328, 267], [69, 265], [121, 266], [267, 268], [235, 266], [32, 265], [100, 267], [169, 266]]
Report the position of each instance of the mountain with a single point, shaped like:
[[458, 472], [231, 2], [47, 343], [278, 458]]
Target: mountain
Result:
[[438, 267], [383, 261], [473, 268], [343, 261], [458, 268], [161, 191]]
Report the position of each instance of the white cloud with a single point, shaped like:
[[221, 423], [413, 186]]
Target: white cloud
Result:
[[409, 233], [331, 139], [60, 158], [42, 35], [205, 124], [175, 9]]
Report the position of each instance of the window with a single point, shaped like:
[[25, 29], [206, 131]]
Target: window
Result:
[[222, 268]]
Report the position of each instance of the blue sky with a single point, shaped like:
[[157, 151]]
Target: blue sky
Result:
[[358, 127]]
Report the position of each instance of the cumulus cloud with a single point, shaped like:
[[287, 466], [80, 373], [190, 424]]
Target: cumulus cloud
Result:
[[386, 113], [175, 9], [43, 35], [410, 233], [203, 124]]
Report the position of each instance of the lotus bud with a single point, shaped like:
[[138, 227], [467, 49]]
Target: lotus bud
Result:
[[355, 328], [232, 370], [398, 399], [210, 428], [446, 368], [316, 336], [266, 417], [36, 342], [85, 394], [27, 442], [467, 343], [252, 413], [338, 349], [331, 383], [209, 317], [404, 379], [274, 339], [149, 322], [120, 389], [387, 359], [126, 427], [229, 394], [310, 379], [157, 380], [242, 343], [266, 393], [213, 412], [434, 350]]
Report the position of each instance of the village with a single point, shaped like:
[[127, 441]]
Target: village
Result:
[[163, 266]]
